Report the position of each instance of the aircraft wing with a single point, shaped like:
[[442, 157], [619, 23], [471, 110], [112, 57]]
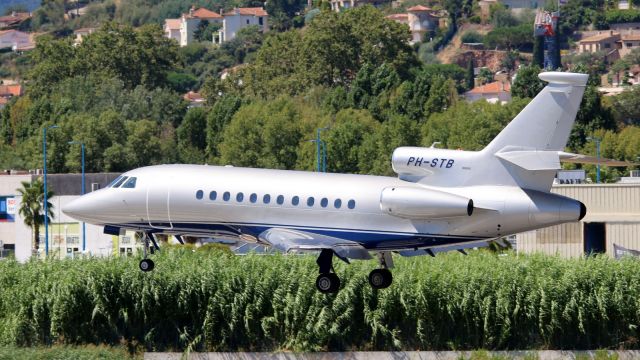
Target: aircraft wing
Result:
[[458, 247], [586, 159], [291, 240]]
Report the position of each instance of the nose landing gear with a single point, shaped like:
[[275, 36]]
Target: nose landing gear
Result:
[[146, 264]]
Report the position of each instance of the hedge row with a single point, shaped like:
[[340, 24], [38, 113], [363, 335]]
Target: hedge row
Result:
[[215, 301]]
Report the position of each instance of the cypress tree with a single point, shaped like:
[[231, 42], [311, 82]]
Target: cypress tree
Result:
[[470, 75], [538, 51]]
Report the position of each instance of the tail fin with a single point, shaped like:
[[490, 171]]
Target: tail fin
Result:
[[545, 124]]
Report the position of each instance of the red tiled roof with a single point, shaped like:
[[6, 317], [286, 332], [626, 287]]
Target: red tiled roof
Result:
[[418, 8], [255, 11], [203, 13], [4, 101], [10, 90], [172, 24], [193, 96], [491, 88]]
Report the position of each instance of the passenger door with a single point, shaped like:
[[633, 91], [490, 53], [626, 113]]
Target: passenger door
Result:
[[158, 205]]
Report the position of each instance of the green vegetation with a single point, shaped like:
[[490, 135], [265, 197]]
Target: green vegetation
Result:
[[89, 352], [210, 300]]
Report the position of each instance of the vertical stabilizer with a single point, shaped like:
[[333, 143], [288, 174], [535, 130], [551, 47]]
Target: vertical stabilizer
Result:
[[545, 124]]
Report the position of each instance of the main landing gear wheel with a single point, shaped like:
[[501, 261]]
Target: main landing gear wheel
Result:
[[328, 283], [380, 278], [146, 265]]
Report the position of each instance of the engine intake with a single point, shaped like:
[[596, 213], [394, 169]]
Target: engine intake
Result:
[[419, 203]]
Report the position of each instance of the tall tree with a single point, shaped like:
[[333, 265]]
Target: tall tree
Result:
[[32, 207], [538, 52], [527, 84]]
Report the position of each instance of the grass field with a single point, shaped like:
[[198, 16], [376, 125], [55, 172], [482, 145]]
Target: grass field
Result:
[[214, 301]]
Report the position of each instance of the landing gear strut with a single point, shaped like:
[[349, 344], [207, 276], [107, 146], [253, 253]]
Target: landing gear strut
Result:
[[146, 264], [382, 278], [327, 282]]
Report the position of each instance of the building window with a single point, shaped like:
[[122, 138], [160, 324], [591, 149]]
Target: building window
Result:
[[247, 21], [213, 195], [310, 201], [351, 204], [260, 21], [629, 45], [226, 196], [280, 200], [324, 202], [295, 201], [253, 198], [199, 194], [239, 197], [337, 204], [607, 46], [266, 198]]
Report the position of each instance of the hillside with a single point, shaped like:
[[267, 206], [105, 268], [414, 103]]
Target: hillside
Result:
[[29, 4]]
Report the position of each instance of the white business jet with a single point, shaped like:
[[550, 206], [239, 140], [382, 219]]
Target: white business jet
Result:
[[441, 200]]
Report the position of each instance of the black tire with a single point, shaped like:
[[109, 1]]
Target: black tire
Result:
[[380, 278], [146, 265], [328, 283]]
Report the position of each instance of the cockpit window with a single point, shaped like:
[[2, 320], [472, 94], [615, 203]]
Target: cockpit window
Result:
[[114, 181], [122, 180], [130, 184]]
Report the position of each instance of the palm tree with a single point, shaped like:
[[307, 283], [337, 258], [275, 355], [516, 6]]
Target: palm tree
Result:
[[32, 207]]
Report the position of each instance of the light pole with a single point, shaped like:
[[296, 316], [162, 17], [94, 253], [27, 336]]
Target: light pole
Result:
[[84, 241], [597, 141], [46, 207], [321, 147]]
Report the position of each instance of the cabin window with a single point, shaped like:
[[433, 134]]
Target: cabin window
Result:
[[324, 202], [253, 198], [130, 184], [295, 201], [337, 204], [239, 197], [351, 204], [226, 196], [280, 200], [310, 201], [199, 194], [266, 198], [213, 195], [122, 179]]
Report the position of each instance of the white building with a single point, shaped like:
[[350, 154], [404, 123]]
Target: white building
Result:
[[239, 18], [183, 29], [16, 40]]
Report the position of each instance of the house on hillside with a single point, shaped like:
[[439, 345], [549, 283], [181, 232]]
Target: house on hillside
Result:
[[420, 19], [339, 5], [493, 92], [195, 99], [81, 33], [183, 29], [16, 40], [7, 92], [239, 18], [607, 41], [13, 20]]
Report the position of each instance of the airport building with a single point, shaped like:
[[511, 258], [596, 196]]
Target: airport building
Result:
[[613, 217], [65, 233]]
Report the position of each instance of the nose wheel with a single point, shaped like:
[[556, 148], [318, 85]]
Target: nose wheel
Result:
[[146, 264]]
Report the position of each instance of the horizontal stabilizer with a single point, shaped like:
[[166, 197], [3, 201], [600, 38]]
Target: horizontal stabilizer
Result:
[[532, 160], [586, 159]]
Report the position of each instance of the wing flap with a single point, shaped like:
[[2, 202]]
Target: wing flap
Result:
[[290, 240]]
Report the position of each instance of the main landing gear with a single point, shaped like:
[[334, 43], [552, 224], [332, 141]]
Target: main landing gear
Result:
[[381, 278], [146, 264], [328, 282]]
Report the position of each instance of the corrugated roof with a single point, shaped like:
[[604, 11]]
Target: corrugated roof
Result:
[[492, 88]]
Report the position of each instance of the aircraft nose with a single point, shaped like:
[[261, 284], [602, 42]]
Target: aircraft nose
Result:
[[79, 208]]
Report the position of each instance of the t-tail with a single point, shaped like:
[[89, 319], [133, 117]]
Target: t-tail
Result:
[[526, 153]]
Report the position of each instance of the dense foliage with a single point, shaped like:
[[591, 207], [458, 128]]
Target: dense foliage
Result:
[[216, 301]]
